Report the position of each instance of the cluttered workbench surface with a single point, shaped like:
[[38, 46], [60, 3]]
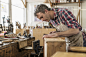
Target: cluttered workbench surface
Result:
[[14, 47]]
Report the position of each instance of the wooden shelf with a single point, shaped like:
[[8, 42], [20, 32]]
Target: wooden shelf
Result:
[[66, 2], [52, 3]]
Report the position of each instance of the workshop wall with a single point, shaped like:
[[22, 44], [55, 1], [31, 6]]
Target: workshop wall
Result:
[[83, 13]]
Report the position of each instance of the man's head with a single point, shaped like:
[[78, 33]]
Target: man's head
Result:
[[42, 12]]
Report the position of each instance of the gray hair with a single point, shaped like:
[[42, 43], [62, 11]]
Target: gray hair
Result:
[[41, 8]]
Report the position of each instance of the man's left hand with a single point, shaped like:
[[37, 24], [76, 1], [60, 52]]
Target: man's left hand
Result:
[[50, 35]]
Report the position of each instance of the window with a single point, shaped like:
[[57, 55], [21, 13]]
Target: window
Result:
[[32, 20], [4, 10], [17, 12]]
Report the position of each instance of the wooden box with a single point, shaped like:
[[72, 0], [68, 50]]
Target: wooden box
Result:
[[29, 41], [52, 45], [22, 43], [39, 32]]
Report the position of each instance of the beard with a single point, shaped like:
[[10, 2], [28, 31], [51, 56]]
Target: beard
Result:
[[47, 18]]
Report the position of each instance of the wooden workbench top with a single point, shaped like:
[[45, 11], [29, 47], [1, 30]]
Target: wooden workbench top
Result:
[[68, 54], [78, 49]]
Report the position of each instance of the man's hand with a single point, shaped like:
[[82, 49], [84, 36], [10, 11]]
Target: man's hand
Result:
[[67, 33], [50, 35], [52, 32]]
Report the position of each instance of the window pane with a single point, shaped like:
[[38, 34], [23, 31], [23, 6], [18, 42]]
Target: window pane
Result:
[[17, 3], [5, 1], [4, 11], [17, 15]]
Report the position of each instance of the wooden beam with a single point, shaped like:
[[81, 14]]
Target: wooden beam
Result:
[[24, 3], [79, 12], [50, 3], [79, 3], [78, 16]]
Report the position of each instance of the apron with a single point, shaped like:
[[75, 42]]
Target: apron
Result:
[[74, 40]]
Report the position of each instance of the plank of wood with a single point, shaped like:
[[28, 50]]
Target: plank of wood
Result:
[[78, 49], [52, 45], [68, 54], [24, 3]]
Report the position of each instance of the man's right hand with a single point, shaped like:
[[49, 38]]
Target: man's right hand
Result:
[[51, 35], [52, 32]]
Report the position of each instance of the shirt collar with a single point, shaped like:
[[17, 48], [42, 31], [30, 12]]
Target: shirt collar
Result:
[[55, 12]]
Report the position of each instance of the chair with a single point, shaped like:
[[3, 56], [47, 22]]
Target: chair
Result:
[[37, 48]]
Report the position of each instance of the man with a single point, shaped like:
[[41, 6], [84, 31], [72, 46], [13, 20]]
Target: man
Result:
[[57, 16]]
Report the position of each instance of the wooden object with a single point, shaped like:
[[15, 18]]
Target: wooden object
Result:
[[55, 3], [78, 49], [29, 41], [39, 32], [20, 31], [11, 49], [46, 1], [27, 30], [68, 54], [52, 45], [7, 41], [22, 44], [24, 3]]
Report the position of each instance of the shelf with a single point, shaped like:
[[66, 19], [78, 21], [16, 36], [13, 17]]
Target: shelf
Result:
[[52, 3], [65, 3]]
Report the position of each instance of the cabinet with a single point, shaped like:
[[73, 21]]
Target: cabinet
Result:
[[56, 2]]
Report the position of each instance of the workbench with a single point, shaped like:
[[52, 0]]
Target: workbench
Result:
[[12, 49]]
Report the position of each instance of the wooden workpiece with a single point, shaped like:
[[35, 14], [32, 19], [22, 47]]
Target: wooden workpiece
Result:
[[52, 45], [68, 54], [78, 49]]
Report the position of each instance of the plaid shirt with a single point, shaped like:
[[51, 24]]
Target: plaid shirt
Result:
[[67, 18]]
